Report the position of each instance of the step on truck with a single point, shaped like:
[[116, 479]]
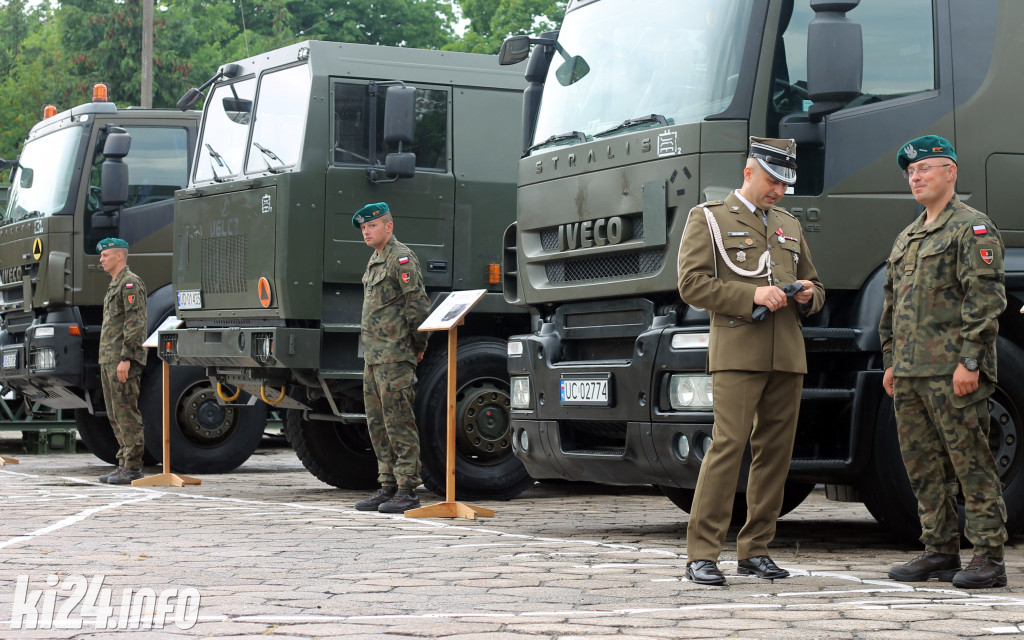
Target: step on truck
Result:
[[636, 111], [268, 269], [84, 174]]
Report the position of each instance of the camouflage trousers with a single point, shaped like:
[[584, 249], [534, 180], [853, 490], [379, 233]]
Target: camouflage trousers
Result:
[[944, 439], [389, 391], [122, 401]]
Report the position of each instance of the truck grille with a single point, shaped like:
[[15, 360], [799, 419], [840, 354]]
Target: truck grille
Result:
[[12, 274], [549, 236], [614, 266], [225, 264]]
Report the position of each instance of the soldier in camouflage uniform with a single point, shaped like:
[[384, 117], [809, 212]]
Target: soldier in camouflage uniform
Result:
[[944, 291], [394, 305], [122, 358]]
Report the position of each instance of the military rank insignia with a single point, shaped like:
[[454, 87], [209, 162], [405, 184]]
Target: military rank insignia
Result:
[[405, 278], [403, 260], [986, 254]]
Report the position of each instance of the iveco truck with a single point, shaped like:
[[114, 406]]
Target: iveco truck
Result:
[[268, 267], [636, 111]]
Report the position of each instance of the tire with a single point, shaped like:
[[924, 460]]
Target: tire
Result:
[[793, 495], [337, 454], [886, 488], [97, 435], [206, 437], [485, 467]]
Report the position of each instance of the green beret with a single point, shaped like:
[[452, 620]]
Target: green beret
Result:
[[924, 147], [371, 211], [110, 243]]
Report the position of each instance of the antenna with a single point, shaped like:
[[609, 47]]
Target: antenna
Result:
[[245, 35]]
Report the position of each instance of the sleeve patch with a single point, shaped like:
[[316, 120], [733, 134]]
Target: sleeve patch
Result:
[[980, 229], [131, 298], [403, 260], [405, 277], [129, 285], [986, 255]]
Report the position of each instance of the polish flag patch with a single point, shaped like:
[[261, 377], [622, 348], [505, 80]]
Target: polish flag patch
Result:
[[986, 255], [980, 229], [129, 285], [405, 259]]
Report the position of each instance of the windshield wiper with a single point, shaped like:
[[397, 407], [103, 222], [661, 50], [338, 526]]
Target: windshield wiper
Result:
[[29, 214], [632, 122], [220, 162], [270, 154], [559, 137]]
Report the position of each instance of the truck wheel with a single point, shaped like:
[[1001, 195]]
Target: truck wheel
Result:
[[793, 495], [338, 454], [97, 435], [485, 467], [886, 488], [206, 437]]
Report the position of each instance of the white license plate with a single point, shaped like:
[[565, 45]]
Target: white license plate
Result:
[[190, 299], [10, 360], [586, 391]]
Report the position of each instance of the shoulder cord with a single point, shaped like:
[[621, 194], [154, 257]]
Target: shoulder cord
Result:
[[763, 264]]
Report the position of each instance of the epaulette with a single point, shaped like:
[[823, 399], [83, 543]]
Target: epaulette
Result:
[[711, 203], [781, 210]]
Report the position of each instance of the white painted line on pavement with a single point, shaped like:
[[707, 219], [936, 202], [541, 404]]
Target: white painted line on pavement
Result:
[[70, 520]]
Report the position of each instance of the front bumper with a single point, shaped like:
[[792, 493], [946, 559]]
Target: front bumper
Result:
[[47, 367]]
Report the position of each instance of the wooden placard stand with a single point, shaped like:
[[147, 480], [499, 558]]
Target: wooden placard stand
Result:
[[5, 460], [167, 478], [449, 315]]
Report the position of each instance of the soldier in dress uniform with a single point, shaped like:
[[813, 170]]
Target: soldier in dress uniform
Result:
[[944, 291], [122, 358], [735, 255], [394, 305]]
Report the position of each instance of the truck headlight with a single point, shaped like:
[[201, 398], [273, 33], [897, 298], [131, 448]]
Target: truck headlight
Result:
[[515, 348], [690, 392], [520, 392], [43, 359]]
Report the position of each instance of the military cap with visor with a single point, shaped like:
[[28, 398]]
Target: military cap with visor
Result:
[[777, 156], [111, 243], [923, 148], [371, 211]]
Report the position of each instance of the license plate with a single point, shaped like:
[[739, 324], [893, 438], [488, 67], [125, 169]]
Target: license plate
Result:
[[190, 299], [10, 360], [585, 391]]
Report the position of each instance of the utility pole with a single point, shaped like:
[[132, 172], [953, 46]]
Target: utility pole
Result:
[[146, 100]]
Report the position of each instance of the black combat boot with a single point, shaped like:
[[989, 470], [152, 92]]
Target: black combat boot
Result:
[[383, 494], [404, 500], [927, 565], [125, 476], [107, 476], [983, 572]]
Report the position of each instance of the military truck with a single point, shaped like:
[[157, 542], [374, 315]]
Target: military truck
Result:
[[89, 172], [268, 266], [639, 110]]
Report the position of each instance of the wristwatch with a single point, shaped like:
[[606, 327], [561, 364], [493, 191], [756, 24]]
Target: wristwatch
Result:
[[971, 364], [126, 359]]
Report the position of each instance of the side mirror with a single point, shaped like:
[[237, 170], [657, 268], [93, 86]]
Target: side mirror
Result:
[[514, 50], [572, 70], [238, 110], [835, 57], [118, 143], [104, 220], [400, 115], [25, 177], [400, 165]]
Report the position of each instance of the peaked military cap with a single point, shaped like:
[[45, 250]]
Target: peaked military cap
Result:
[[110, 243], [371, 211], [924, 147], [777, 156]]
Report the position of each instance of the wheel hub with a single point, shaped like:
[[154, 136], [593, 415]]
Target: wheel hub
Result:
[[1003, 439], [202, 419], [484, 427]]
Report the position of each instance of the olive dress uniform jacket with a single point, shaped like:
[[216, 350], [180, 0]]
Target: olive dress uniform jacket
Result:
[[739, 343]]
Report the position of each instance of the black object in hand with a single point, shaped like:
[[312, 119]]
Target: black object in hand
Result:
[[791, 289]]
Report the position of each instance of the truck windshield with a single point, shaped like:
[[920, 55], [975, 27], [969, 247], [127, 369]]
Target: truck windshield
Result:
[[667, 62], [225, 131], [41, 184]]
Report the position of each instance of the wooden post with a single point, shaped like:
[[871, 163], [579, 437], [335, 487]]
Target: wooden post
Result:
[[450, 508], [166, 478]]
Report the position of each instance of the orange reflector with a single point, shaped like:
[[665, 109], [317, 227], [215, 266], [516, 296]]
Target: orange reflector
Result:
[[99, 92], [168, 345], [263, 288], [494, 273], [74, 330], [49, 111]]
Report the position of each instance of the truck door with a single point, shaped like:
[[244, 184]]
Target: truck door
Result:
[[422, 206]]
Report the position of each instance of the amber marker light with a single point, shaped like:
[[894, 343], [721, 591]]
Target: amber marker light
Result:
[[49, 111], [74, 330], [100, 92], [494, 273]]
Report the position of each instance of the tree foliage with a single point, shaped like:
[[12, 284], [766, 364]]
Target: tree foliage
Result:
[[52, 52]]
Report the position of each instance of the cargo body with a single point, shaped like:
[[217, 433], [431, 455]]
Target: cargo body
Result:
[[268, 266], [644, 112]]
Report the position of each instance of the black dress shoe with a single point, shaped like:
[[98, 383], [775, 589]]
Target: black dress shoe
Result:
[[762, 567], [704, 572]]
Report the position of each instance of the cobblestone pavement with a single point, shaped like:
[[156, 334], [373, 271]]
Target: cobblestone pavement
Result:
[[272, 552]]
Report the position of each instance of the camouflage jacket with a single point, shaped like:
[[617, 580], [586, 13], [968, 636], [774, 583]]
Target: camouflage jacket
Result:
[[394, 304], [944, 291], [124, 319]]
